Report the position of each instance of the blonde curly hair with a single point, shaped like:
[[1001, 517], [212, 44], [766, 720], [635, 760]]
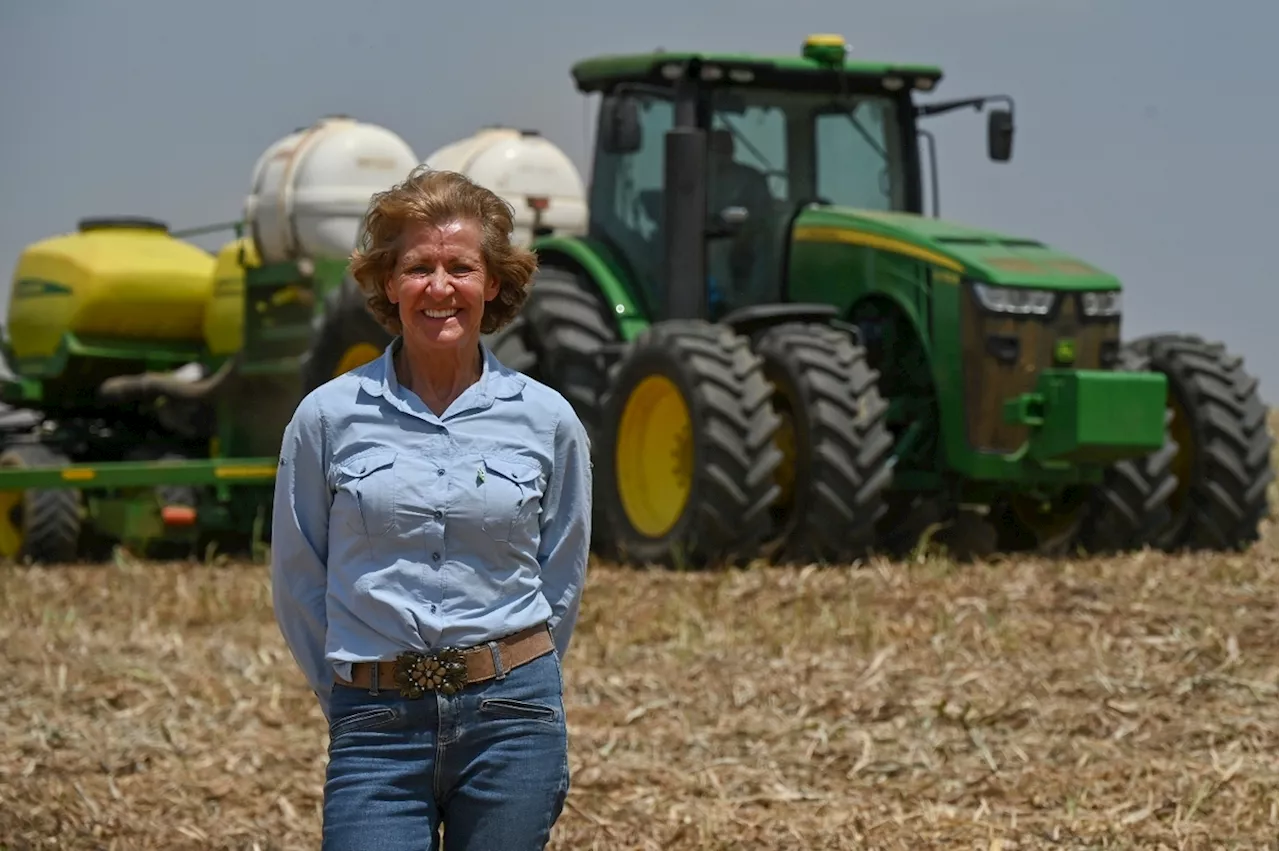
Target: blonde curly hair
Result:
[[435, 197]]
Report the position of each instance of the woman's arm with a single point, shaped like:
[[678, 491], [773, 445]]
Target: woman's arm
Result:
[[566, 527], [300, 545]]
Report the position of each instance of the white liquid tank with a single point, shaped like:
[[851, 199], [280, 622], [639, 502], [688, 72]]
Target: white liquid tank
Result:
[[310, 189]]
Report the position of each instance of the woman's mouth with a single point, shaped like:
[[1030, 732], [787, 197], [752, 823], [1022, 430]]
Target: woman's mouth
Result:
[[440, 314]]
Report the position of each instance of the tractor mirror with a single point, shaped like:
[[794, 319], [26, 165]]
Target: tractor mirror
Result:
[[1000, 134], [620, 126]]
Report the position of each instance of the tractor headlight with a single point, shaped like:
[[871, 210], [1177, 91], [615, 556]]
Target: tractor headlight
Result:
[[1101, 304], [1015, 300]]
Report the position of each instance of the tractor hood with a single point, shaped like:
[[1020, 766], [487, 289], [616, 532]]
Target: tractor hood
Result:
[[973, 252]]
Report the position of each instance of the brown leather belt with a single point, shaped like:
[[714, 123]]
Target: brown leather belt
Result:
[[450, 669]]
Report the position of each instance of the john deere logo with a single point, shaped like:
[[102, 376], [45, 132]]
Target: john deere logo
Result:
[[35, 288], [1065, 351]]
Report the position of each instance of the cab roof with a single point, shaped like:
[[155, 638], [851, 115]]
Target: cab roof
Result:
[[660, 68]]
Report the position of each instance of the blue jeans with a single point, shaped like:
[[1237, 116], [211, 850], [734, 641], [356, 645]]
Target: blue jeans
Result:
[[490, 763]]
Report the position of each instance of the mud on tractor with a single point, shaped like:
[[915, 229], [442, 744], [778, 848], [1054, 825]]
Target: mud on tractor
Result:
[[779, 353]]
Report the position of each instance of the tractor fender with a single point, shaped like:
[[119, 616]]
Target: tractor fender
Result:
[[750, 321], [607, 274]]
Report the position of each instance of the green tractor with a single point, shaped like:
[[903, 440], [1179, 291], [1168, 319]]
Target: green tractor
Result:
[[779, 354]]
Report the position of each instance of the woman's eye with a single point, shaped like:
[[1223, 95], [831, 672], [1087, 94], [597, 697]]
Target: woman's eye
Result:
[[457, 269]]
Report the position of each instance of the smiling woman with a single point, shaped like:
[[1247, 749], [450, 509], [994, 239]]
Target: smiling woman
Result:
[[439, 243], [429, 542]]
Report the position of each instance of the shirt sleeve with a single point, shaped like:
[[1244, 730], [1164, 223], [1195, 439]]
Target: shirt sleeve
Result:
[[299, 546], [566, 528]]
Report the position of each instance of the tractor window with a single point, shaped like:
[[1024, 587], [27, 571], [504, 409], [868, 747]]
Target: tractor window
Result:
[[626, 196], [754, 140], [748, 168], [859, 163]]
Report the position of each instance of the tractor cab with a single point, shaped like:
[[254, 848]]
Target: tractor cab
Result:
[[704, 161]]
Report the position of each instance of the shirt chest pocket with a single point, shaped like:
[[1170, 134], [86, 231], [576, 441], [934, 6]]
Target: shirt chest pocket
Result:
[[364, 501], [512, 495]]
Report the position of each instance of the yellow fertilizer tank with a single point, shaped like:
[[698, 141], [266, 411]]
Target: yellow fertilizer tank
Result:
[[224, 320], [117, 278]]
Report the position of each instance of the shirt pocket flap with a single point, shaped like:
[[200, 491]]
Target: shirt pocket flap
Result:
[[520, 472], [367, 462]]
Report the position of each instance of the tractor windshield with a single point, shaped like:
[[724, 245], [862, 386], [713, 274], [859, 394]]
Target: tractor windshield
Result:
[[803, 145], [772, 150]]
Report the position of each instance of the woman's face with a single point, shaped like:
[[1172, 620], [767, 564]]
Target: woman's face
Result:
[[440, 285]]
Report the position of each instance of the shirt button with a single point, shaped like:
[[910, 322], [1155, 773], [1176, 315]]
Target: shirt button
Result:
[[440, 472], [435, 556], [439, 514]]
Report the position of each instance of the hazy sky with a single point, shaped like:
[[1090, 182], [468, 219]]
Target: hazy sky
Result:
[[1142, 142]]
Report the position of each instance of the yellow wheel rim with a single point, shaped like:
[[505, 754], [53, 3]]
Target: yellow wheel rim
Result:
[[1184, 461], [654, 456], [358, 355], [10, 531]]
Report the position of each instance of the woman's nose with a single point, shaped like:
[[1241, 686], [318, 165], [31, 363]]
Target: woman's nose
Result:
[[439, 282]]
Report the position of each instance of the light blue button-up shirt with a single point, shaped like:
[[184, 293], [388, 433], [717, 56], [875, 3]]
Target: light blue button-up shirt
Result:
[[395, 529]]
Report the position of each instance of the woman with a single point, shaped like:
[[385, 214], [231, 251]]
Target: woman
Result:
[[429, 543]]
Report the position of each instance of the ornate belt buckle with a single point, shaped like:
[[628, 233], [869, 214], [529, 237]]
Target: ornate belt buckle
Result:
[[444, 671]]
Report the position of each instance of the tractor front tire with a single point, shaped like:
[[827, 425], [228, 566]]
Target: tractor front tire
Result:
[[1223, 460], [40, 526], [558, 340], [835, 439], [689, 432]]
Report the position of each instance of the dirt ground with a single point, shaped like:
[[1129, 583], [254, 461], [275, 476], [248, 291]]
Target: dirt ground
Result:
[[1009, 704]]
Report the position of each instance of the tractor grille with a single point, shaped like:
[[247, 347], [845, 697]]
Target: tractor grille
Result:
[[1003, 355]]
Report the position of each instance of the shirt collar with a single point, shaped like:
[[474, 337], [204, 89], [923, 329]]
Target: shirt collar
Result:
[[497, 381]]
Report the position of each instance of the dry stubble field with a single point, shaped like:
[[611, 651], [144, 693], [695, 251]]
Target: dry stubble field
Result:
[[1126, 703]]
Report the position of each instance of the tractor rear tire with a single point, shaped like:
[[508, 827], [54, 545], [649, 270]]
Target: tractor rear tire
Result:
[[557, 339], [690, 431], [835, 424], [1223, 461], [347, 336], [49, 531], [1130, 506]]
